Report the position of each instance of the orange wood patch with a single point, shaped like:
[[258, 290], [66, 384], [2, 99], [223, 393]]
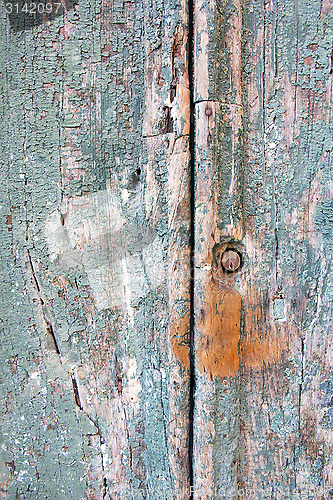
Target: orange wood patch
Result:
[[221, 348], [220, 332]]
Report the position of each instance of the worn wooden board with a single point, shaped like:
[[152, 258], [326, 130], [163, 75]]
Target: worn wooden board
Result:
[[95, 253], [263, 97]]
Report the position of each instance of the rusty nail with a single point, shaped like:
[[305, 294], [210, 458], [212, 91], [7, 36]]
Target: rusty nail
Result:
[[208, 111], [231, 260]]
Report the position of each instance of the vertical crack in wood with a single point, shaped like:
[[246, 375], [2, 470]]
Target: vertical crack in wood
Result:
[[192, 235], [45, 314]]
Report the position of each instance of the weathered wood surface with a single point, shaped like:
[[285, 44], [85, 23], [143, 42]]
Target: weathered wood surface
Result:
[[263, 93], [95, 251]]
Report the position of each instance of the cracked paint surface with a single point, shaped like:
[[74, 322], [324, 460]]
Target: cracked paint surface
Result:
[[94, 253]]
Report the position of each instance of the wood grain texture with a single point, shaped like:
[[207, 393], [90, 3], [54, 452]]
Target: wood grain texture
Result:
[[95, 254]]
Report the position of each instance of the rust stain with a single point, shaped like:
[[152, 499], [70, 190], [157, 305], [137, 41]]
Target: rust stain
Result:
[[220, 332]]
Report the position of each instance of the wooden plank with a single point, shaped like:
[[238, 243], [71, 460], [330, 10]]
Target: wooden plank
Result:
[[95, 252], [290, 142], [218, 219], [95, 299], [263, 171]]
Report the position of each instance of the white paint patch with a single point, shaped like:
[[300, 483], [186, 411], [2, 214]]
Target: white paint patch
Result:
[[132, 389], [122, 260]]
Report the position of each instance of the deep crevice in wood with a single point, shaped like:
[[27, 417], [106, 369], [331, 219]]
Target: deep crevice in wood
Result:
[[192, 236], [48, 324]]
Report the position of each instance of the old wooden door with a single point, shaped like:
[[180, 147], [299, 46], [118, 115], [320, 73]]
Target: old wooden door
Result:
[[166, 221]]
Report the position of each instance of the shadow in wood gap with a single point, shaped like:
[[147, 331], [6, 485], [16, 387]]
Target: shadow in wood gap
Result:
[[192, 236]]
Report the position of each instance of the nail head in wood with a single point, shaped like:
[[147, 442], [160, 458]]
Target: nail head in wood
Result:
[[230, 260]]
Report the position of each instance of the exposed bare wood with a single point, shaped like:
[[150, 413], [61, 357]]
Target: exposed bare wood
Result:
[[260, 166]]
